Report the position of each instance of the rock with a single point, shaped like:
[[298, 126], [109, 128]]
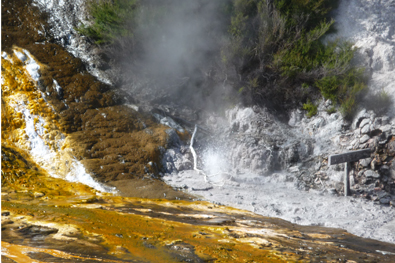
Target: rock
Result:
[[371, 174], [186, 165], [361, 115], [364, 138], [295, 118], [384, 169], [364, 122], [360, 173], [377, 123], [385, 200], [383, 138], [385, 120], [166, 120], [386, 128], [365, 129], [365, 162], [173, 140]]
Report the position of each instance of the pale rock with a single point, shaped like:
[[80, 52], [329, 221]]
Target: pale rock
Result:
[[364, 122], [364, 138], [392, 171], [360, 116], [386, 128], [365, 162], [360, 173], [372, 174], [365, 129], [354, 144], [352, 181]]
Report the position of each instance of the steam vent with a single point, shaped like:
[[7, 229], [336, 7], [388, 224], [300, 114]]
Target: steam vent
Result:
[[82, 168]]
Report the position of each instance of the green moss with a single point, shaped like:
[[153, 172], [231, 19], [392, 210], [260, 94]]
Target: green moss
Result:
[[111, 20]]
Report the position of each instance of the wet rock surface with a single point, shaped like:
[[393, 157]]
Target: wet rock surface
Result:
[[115, 229]]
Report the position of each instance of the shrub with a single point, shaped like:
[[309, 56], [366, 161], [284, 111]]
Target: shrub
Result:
[[379, 102], [311, 109], [111, 20]]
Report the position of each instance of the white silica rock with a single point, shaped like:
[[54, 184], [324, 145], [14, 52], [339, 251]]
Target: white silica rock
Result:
[[370, 25], [30, 63], [78, 174]]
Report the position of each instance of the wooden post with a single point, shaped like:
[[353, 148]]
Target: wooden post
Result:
[[347, 169], [347, 158]]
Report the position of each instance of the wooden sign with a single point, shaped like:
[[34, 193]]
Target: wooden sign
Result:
[[349, 157]]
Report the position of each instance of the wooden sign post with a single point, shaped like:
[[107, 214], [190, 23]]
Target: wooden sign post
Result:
[[347, 158]]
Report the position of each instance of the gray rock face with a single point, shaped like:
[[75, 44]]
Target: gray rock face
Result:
[[261, 144], [257, 143], [371, 26]]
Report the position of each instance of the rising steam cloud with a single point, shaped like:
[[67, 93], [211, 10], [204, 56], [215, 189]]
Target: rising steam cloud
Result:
[[179, 51]]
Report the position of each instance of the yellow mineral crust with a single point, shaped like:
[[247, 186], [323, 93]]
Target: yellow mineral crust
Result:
[[154, 231], [19, 254], [29, 121], [22, 102]]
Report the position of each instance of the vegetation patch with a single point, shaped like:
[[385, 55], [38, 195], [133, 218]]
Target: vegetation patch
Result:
[[111, 20], [279, 45], [310, 108]]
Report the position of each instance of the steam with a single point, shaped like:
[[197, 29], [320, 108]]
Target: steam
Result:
[[216, 165], [178, 50], [184, 39]]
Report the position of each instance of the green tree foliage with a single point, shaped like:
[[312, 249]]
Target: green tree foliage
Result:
[[279, 44]]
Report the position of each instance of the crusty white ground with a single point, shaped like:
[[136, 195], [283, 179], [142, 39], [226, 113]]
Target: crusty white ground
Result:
[[276, 198]]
